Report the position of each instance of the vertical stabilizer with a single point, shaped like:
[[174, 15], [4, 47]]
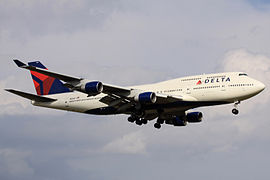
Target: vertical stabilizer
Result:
[[46, 85]]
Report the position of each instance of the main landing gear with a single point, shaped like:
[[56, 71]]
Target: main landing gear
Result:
[[158, 123], [139, 121], [235, 110]]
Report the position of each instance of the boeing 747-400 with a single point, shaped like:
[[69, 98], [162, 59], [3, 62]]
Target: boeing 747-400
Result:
[[167, 101]]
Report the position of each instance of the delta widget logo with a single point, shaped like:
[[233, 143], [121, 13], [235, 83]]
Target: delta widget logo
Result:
[[214, 80]]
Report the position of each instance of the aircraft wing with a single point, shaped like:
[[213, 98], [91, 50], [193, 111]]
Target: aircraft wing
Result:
[[107, 88], [62, 77], [116, 94], [112, 89]]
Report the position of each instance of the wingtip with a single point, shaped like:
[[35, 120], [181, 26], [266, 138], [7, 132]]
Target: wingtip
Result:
[[19, 63], [9, 90]]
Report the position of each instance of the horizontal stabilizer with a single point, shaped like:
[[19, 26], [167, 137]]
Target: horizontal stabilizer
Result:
[[31, 96], [19, 63]]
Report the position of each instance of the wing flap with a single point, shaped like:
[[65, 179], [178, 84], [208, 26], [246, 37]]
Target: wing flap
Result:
[[31, 96]]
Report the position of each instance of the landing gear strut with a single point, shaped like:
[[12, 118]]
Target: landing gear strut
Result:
[[235, 110]]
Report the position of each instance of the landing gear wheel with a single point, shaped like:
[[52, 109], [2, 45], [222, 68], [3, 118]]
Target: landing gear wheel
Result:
[[131, 119], [160, 121], [235, 111], [138, 122], [144, 121], [157, 125]]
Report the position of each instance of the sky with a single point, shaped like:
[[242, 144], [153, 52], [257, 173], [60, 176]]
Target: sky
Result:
[[125, 42]]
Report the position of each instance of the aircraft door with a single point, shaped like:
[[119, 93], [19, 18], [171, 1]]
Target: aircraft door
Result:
[[188, 90], [66, 104], [223, 87]]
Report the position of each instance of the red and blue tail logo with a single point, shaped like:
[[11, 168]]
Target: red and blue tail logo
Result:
[[46, 85]]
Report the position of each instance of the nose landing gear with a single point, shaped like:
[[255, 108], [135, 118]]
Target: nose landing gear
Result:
[[235, 110]]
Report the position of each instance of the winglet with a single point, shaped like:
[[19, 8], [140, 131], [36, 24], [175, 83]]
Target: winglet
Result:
[[19, 63]]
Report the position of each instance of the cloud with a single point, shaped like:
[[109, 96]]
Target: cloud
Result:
[[126, 43], [262, 5], [256, 65], [52, 17], [12, 104], [132, 143], [14, 163]]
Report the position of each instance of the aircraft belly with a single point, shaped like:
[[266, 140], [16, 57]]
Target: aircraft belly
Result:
[[170, 107]]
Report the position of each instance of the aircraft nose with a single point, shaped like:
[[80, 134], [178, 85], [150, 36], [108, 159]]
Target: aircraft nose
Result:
[[260, 86]]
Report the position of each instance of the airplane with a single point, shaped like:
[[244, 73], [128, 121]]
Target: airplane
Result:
[[169, 102]]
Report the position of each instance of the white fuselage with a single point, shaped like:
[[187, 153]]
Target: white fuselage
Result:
[[203, 90]]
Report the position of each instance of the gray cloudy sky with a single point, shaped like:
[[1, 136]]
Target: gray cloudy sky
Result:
[[126, 42]]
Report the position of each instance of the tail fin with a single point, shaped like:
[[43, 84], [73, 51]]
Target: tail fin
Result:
[[46, 85]]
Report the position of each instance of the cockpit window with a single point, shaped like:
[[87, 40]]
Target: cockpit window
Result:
[[243, 74]]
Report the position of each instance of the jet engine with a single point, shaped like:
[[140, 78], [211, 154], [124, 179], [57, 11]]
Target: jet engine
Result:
[[92, 88], [194, 117], [146, 97], [177, 121]]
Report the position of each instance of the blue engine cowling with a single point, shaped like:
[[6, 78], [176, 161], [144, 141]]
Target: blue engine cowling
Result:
[[146, 97], [194, 117], [92, 88], [177, 121]]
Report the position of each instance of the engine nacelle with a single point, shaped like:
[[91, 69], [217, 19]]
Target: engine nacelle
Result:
[[177, 121], [194, 117], [146, 97], [92, 88]]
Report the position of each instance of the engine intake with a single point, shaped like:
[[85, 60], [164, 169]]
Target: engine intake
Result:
[[194, 117], [92, 88], [146, 97]]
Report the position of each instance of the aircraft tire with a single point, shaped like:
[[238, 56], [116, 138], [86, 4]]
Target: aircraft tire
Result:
[[144, 121], [157, 125], [235, 111], [160, 121], [130, 119], [139, 122]]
